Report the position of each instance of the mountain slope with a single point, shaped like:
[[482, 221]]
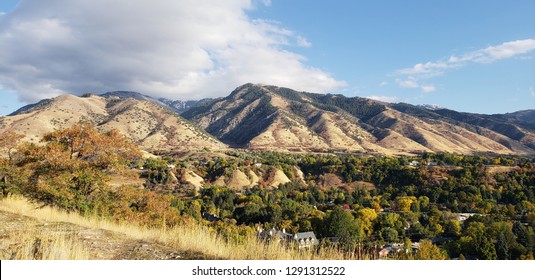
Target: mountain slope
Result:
[[265, 117], [147, 123], [269, 117], [260, 118]]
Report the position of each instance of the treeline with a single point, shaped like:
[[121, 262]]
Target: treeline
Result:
[[413, 199]]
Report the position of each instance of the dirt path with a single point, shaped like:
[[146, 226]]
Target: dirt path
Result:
[[100, 244]]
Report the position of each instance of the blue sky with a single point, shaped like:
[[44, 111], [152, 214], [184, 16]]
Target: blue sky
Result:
[[474, 56]]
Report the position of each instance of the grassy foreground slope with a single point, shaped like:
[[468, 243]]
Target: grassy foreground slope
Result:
[[30, 231]]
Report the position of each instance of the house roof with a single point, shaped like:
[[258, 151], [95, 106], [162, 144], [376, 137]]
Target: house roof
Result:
[[306, 235]]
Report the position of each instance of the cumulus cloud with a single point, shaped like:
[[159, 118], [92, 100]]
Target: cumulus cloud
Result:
[[427, 70], [181, 49]]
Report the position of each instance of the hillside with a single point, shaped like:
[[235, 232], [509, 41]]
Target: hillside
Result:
[[140, 118], [261, 117], [270, 117], [35, 232]]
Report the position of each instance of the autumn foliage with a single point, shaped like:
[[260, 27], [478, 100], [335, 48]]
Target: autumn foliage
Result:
[[71, 170]]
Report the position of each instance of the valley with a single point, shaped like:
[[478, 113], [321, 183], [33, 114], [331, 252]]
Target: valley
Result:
[[360, 179]]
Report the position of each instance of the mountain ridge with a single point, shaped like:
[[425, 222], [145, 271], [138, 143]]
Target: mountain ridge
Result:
[[266, 117], [151, 125], [290, 120]]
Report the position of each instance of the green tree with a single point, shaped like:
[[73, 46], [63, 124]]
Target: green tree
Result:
[[503, 250], [340, 223], [452, 228]]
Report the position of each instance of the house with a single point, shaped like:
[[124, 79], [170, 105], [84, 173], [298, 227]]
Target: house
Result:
[[441, 240], [384, 252], [306, 239], [414, 163], [302, 239], [279, 235], [210, 217], [461, 217]]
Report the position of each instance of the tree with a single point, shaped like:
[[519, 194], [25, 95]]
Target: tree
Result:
[[10, 174], [194, 209], [104, 150], [452, 228], [522, 236], [388, 234], [423, 202], [486, 249], [428, 251], [503, 250], [367, 217], [9, 141], [403, 203], [73, 166], [340, 223]]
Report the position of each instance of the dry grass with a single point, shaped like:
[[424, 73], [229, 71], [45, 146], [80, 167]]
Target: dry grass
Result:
[[192, 237], [33, 244]]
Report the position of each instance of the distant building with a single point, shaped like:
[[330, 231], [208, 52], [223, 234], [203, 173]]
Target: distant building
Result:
[[302, 239], [384, 252], [414, 163], [306, 239], [461, 217], [441, 240], [210, 217]]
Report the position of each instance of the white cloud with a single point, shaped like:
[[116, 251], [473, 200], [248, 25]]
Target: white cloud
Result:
[[389, 99], [487, 55], [422, 71], [412, 82], [427, 88], [505, 50], [303, 42], [180, 49], [532, 91], [266, 2]]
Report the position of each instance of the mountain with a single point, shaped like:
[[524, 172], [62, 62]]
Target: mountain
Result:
[[264, 117], [525, 117], [270, 117], [180, 106], [141, 118]]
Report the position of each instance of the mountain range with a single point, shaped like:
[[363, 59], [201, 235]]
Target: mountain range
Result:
[[146, 121], [264, 117]]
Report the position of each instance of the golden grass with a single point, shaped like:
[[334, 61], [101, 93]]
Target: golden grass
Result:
[[33, 244], [196, 239]]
